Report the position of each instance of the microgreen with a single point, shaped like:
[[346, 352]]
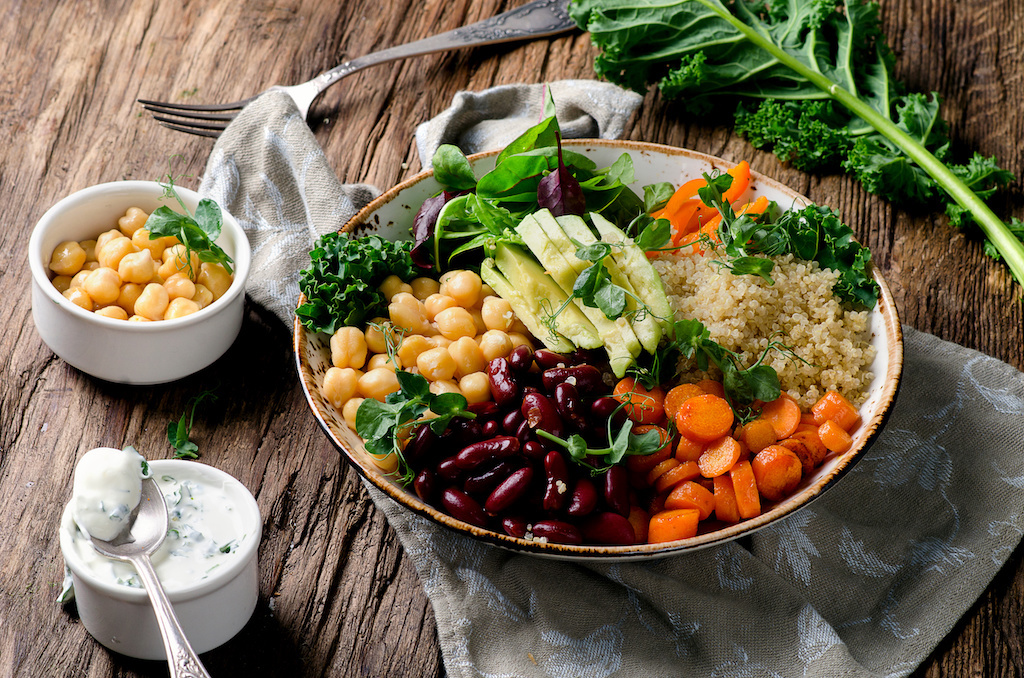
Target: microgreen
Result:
[[621, 443], [198, 232], [178, 432]]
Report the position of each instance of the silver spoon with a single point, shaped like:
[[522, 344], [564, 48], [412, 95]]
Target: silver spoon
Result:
[[136, 544]]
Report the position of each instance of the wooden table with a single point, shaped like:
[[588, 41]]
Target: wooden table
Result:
[[338, 596]]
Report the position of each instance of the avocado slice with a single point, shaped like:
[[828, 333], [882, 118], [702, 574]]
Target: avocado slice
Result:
[[525, 307], [644, 325], [634, 263]]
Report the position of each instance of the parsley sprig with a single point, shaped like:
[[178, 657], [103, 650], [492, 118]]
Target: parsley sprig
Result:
[[178, 431], [198, 232]]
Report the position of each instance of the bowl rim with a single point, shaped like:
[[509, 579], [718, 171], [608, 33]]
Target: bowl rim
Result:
[[247, 551], [590, 552], [36, 256]]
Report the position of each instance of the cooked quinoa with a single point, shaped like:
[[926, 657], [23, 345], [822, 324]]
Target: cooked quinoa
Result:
[[744, 313]]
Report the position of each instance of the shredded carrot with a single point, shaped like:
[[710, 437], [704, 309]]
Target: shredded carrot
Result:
[[689, 494], [833, 405], [726, 509], [777, 471], [748, 501], [834, 438], [719, 457], [705, 418], [784, 415], [672, 525]]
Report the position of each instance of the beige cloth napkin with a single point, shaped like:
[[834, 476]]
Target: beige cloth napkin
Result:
[[863, 582]]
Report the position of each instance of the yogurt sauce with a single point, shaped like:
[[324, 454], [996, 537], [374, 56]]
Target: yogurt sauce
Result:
[[206, 527], [106, 489]]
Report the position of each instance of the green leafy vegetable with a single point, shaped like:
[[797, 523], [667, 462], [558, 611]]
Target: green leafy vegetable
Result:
[[798, 57], [381, 424], [197, 232], [178, 431], [341, 283]]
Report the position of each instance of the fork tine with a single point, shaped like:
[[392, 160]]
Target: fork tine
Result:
[[191, 115], [198, 129], [168, 107]]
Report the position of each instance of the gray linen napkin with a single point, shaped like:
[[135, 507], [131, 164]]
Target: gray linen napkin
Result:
[[863, 582]]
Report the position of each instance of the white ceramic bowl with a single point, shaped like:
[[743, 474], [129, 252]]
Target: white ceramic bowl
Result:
[[115, 350], [211, 611], [391, 215]]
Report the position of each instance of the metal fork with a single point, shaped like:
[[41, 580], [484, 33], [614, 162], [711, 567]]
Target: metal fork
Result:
[[536, 19]]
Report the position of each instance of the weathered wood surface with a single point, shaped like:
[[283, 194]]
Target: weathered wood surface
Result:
[[338, 597]]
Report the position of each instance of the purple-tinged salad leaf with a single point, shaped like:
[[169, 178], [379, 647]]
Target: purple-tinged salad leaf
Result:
[[559, 191], [423, 229]]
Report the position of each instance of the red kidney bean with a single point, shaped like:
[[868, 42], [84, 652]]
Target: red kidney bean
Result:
[[616, 490], [463, 507], [605, 407], [509, 491], [524, 432], [482, 482], [504, 387], [421, 446], [449, 470], [425, 485], [557, 531], [540, 413], [586, 378], [490, 429], [521, 359], [477, 453], [568, 404], [514, 526], [583, 499], [547, 359], [556, 474], [608, 528], [511, 421], [533, 450], [485, 410]]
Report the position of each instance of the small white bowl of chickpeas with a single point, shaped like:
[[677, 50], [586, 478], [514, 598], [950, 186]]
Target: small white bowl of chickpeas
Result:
[[127, 308]]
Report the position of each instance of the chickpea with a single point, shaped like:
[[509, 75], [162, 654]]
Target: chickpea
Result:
[[440, 342], [152, 302], [129, 294], [155, 246], [444, 386], [412, 346], [78, 279], [110, 255], [436, 364], [497, 314], [495, 344], [443, 281], [467, 356], [486, 291], [179, 308], [62, 282], [133, 219], [115, 312], [90, 266], [90, 249], [455, 322], [105, 237], [175, 260], [67, 258], [392, 285], [378, 383], [376, 340], [103, 285], [139, 319], [435, 303], [464, 287], [349, 411], [348, 348], [381, 360], [407, 311], [79, 297], [340, 384], [216, 278], [520, 339], [476, 387], [478, 320], [203, 296], [423, 287], [137, 267], [179, 285]]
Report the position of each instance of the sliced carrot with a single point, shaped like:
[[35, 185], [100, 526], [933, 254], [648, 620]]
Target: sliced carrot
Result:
[[758, 434], [784, 415], [726, 509], [833, 405], [677, 395], [834, 438], [688, 470], [688, 449], [642, 405], [645, 462], [657, 503], [639, 519], [719, 457], [713, 387], [799, 448], [672, 525], [660, 470], [812, 439], [777, 471], [748, 501], [705, 418], [693, 495], [808, 419]]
